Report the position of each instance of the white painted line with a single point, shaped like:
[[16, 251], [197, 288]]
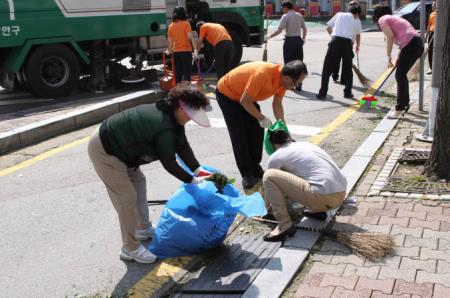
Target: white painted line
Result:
[[299, 130]]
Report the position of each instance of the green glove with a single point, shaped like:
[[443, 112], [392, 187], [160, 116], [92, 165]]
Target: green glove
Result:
[[267, 143]]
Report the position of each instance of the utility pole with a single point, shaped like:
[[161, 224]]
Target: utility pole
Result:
[[422, 58], [428, 132]]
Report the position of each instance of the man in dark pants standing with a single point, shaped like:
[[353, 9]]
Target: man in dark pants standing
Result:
[[344, 28], [237, 94], [292, 22], [220, 39]]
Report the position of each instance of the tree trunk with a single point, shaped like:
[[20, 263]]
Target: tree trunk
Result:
[[438, 164]]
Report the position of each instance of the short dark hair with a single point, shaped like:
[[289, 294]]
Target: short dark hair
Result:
[[280, 137], [287, 4], [199, 24], [294, 69], [179, 13], [354, 8], [190, 95], [379, 11]]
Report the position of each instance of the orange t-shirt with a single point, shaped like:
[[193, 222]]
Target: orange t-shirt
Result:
[[432, 22], [260, 80], [214, 33], [178, 32]]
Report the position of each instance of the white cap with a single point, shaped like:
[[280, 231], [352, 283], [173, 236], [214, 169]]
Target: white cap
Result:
[[197, 115]]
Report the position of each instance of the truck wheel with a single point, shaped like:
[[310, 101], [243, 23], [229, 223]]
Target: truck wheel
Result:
[[52, 71], [237, 47]]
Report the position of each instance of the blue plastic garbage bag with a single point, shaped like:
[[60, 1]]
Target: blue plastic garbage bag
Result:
[[197, 218]]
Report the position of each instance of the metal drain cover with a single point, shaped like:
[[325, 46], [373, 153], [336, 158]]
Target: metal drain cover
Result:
[[414, 156], [235, 269]]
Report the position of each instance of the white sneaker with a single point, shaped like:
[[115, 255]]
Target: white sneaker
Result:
[[144, 234], [140, 255], [395, 114]]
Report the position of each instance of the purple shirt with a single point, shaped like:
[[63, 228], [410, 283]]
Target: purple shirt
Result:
[[402, 29]]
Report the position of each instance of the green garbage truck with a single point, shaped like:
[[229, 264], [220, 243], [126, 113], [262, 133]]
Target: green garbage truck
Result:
[[48, 46]]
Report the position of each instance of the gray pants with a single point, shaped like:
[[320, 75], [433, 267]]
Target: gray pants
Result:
[[126, 188]]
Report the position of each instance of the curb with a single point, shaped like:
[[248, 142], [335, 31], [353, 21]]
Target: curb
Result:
[[45, 129]]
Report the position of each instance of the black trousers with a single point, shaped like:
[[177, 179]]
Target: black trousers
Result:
[[224, 54], [183, 66], [246, 136], [430, 48], [292, 48], [338, 48], [408, 56]]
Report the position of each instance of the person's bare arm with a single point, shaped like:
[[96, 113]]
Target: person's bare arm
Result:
[[248, 104], [389, 44], [358, 41], [277, 107]]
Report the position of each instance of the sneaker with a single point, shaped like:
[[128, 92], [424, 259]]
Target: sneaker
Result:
[[395, 114], [145, 234], [140, 255]]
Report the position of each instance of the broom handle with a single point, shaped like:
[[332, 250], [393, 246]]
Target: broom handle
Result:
[[384, 81], [357, 59], [326, 232]]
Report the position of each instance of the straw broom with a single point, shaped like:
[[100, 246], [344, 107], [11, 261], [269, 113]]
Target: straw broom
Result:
[[372, 246], [362, 78]]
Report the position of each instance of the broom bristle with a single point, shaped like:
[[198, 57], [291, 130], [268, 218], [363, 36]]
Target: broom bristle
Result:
[[362, 78], [369, 245]]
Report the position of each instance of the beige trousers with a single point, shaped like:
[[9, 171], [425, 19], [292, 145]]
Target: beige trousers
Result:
[[126, 188], [278, 184]]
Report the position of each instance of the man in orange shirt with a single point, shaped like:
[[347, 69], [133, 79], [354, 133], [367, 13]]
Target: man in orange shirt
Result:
[[220, 39], [237, 94]]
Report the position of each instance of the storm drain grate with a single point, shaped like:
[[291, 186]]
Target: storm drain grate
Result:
[[234, 271], [414, 156], [395, 184]]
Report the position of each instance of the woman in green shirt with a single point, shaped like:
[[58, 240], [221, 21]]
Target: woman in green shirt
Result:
[[138, 136]]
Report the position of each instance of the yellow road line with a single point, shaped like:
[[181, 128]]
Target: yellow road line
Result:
[[158, 277], [42, 156], [344, 116]]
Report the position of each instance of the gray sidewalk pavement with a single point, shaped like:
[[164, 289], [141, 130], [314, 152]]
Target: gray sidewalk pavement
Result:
[[23, 128]]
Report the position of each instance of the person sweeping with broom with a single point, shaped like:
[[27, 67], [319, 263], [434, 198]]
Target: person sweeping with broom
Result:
[[304, 173], [399, 31], [344, 28]]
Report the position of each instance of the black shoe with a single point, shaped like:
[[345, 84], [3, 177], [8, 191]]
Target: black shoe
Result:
[[282, 236], [321, 96], [349, 95], [316, 215], [269, 216], [299, 88], [249, 181]]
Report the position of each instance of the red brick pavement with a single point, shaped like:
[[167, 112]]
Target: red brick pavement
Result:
[[420, 264]]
